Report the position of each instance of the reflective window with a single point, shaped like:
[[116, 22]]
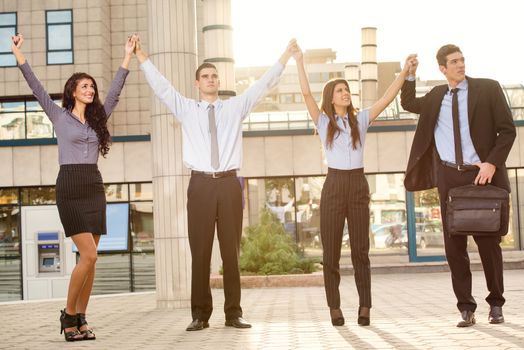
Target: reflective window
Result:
[[59, 37], [116, 192], [8, 195], [276, 194], [428, 222], [308, 213], [38, 195], [24, 119], [10, 258], [387, 213], [7, 30], [286, 98], [12, 126], [143, 272], [142, 229], [112, 274], [141, 191]]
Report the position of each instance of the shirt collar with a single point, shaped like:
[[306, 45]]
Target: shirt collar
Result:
[[463, 85], [204, 104]]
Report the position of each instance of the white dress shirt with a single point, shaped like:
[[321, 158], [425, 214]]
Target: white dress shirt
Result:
[[229, 115]]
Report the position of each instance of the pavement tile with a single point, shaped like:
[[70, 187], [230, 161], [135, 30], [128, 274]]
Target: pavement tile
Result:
[[410, 311]]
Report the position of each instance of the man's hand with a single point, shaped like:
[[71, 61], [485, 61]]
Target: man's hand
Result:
[[486, 172], [412, 63]]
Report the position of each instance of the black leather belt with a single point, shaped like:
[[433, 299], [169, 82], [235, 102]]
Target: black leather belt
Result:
[[463, 167], [215, 175]]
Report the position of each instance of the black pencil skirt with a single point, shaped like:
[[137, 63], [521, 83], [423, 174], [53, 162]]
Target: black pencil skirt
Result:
[[81, 199]]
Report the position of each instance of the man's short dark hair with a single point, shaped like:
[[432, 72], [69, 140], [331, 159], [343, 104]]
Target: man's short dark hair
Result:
[[202, 66], [443, 53]]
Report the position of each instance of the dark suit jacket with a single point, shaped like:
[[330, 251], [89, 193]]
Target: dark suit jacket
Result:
[[490, 124]]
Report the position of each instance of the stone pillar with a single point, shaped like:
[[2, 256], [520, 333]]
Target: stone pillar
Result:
[[352, 75], [173, 50], [218, 43], [369, 71], [214, 28]]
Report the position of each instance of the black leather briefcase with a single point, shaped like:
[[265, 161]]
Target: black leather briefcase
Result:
[[477, 210]]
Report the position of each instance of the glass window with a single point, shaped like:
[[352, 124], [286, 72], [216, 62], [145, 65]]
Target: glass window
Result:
[[24, 119], [38, 195], [10, 259], [8, 196], [276, 194], [428, 222], [116, 192], [142, 229], [141, 191], [59, 37], [286, 98], [12, 126], [112, 274], [7, 30], [38, 125], [143, 272], [387, 213], [308, 213]]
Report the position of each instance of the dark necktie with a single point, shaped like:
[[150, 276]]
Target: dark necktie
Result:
[[456, 127], [214, 140]]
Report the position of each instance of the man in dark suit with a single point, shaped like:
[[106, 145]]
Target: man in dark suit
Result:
[[486, 135]]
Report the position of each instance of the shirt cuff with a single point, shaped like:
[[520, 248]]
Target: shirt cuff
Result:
[[411, 78]]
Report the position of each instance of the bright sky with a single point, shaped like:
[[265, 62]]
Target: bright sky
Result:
[[489, 33]]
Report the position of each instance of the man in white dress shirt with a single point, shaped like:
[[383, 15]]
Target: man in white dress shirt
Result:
[[212, 149]]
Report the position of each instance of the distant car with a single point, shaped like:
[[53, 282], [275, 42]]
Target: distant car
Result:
[[428, 234], [382, 234]]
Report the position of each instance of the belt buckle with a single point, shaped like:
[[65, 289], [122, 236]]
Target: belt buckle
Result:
[[214, 175], [460, 168]]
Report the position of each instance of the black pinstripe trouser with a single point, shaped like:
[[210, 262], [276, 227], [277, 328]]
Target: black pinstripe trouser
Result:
[[345, 195]]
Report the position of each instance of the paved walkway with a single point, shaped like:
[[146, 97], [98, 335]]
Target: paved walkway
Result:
[[411, 311]]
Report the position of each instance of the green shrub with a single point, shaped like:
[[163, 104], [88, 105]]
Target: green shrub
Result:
[[268, 250]]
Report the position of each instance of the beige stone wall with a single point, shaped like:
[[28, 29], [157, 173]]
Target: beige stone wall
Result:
[[133, 115]]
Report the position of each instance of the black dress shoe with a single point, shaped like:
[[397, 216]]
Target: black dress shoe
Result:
[[495, 315], [197, 325], [467, 319], [238, 322]]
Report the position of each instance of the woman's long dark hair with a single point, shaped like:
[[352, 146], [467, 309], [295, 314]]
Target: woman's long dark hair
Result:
[[95, 113], [327, 107]]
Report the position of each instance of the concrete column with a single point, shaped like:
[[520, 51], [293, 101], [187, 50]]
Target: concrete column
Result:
[[173, 50], [218, 43], [352, 75], [369, 71]]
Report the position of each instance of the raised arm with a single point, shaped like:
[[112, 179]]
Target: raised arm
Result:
[[48, 105], [392, 90], [118, 81], [162, 88], [268, 81], [311, 104], [408, 99]]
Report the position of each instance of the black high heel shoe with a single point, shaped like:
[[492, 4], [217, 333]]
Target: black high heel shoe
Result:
[[362, 320], [88, 332], [337, 319], [69, 321]]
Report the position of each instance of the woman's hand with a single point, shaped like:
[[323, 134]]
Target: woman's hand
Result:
[[17, 40]]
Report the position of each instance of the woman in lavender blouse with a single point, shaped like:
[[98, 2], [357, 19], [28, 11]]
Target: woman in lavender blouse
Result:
[[81, 131]]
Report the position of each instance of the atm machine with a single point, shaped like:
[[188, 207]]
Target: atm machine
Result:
[[48, 251], [48, 257]]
